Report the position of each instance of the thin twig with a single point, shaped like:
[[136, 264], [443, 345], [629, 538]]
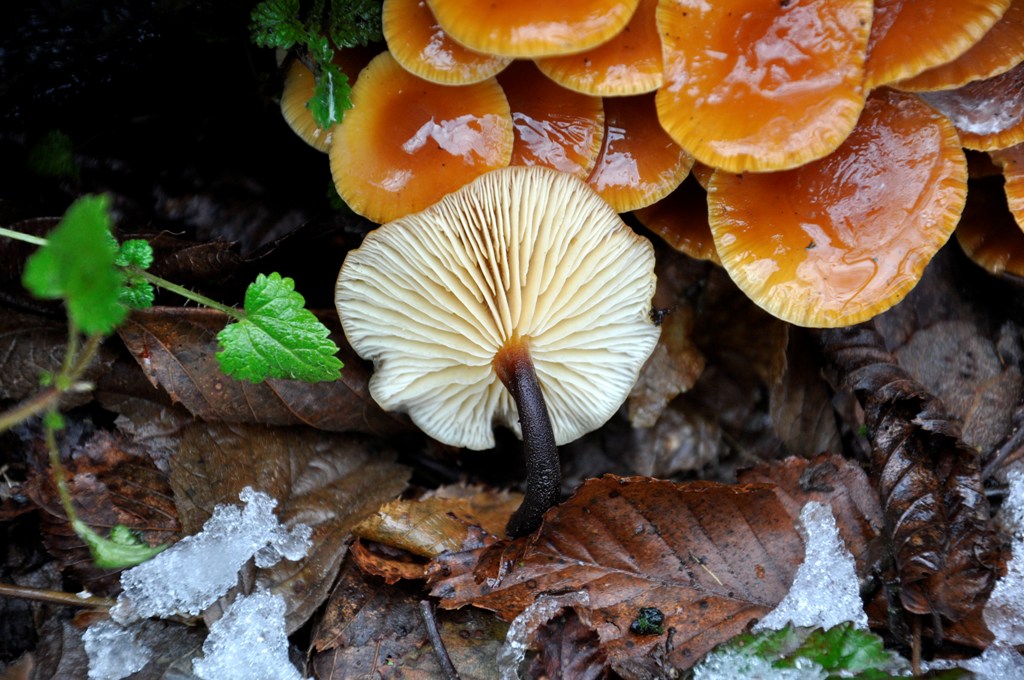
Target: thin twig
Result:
[[1012, 445], [54, 596], [448, 671]]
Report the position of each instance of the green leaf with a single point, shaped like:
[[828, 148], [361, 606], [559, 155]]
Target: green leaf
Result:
[[77, 264], [122, 549], [356, 22], [137, 292], [278, 338], [331, 96], [842, 651], [275, 23]]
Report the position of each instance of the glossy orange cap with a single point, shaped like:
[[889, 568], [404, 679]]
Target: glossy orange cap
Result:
[[638, 163], [837, 241], [629, 63], [910, 36], [758, 86], [407, 142], [532, 28]]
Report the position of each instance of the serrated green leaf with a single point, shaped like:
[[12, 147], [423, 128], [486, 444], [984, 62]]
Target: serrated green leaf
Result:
[[134, 252], [122, 549], [844, 651], [275, 23], [356, 22], [137, 293], [279, 337], [77, 264], [331, 96]]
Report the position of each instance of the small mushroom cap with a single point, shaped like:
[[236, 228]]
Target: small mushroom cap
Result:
[[639, 163], [1012, 162], [681, 220], [837, 241], [989, 234], [910, 36], [522, 254], [629, 63], [407, 142], [532, 28], [757, 86], [298, 90], [988, 114], [419, 44], [999, 50], [554, 127]]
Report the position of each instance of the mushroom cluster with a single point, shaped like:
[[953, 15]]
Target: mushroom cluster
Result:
[[839, 122]]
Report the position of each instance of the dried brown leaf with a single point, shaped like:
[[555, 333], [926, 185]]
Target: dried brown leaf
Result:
[[437, 524], [111, 481], [800, 404], [711, 557], [393, 567], [329, 482], [837, 482], [373, 630], [936, 512], [569, 648], [176, 349]]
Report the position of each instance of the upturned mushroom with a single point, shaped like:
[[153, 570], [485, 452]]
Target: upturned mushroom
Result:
[[521, 299]]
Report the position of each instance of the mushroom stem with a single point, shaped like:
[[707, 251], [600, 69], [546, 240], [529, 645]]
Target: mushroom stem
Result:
[[543, 469]]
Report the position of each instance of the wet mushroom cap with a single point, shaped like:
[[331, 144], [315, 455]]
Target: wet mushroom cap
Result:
[[999, 50], [629, 63], [639, 163], [1011, 160], [840, 240], [554, 127], [524, 257], [988, 114], [422, 47], [756, 86], [910, 36], [532, 28], [988, 232], [407, 142]]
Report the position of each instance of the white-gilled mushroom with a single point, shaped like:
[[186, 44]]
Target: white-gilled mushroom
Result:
[[523, 279]]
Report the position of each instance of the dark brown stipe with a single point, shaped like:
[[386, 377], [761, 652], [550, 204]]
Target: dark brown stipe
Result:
[[543, 469]]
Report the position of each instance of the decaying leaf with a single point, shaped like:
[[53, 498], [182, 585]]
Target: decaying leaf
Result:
[[176, 348], [800, 404], [936, 511], [329, 482], [711, 557], [837, 482], [441, 522], [569, 649], [111, 482], [370, 629]]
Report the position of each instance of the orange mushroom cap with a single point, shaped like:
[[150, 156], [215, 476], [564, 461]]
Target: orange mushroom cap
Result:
[[681, 220], [910, 36], [758, 86], [988, 114], [407, 142], [997, 52], [988, 232], [1011, 160], [638, 163], [842, 239], [419, 44], [532, 28], [298, 90], [629, 63], [554, 127]]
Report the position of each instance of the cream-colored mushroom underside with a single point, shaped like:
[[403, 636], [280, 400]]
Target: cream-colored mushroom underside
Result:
[[519, 252]]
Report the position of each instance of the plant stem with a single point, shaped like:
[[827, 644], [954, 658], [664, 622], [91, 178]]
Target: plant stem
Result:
[[543, 468], [54, 596], [65, 381], [18, 236], [186, 293]]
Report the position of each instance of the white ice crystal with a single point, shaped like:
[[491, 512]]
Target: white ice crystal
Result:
[[826, 590], [248, 642], [113, 651]]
